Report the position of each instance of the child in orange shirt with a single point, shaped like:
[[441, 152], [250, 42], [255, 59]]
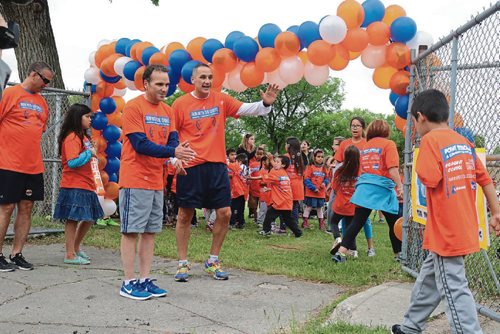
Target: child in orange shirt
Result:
[[238, 174], [281, 197], [315, 180], [295, 171], [448, 167], [77, 204], [265, 192], [254, 167]]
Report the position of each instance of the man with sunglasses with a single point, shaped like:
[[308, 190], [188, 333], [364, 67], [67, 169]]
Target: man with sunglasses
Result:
[[23, 118]]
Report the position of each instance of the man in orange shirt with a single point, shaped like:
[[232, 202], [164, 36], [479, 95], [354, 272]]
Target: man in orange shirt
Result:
[[448, 167], [201, 119], [150, 138], [23, 118]]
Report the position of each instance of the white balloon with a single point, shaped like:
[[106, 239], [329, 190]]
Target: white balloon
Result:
[[420, 38], [92, 59], [234, 80], [332, 29], [120, 64], [130, 84], [103, 42], [109, 207], [119, 92], [373, 56], [316, 75], [92, 75], [291, 69], [101, 200], [274, 79]]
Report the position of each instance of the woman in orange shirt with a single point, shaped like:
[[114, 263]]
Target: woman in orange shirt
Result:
[[295, 172]]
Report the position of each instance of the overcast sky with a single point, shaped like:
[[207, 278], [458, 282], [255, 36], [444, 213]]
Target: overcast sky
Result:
[[80, 25]]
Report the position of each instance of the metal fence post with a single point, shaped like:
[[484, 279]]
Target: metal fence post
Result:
[[56, 153], [453, 81]]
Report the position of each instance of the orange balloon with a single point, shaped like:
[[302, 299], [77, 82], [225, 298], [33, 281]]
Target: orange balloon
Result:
[[158, 58], [95, 134], [378, 33], [107, 65], [382, 76], [356, 39], [392, 12], [139, 83], [352, 13], [354, 55], [194, 48], [94, 102], [101, 157], [104, 177], [104, 89], [115, 119], [340, 58], [218, 76], [120, 84], [398, 228], [137, 49], [171, 47], [120, 103], [111, 190], [185, 87], [287, 44], [100, 143], [104, 52], [250, 75], [267, 60], [225, 60], [400, 123], [397, 55], [319, 52], [399, 82], [303, 56]]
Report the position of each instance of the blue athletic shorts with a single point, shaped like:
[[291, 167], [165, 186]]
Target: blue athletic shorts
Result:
[[204, 186]]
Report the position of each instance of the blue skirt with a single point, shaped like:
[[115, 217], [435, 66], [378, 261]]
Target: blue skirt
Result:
[[314, 202], [77, 205]]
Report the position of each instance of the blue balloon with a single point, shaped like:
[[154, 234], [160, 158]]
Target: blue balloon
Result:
[[114, 150], [374, 11], [402, 106], [393, 97], [172, 87], [246, 48], [187, 70], [130, 68], [465, 132], [111, 133], [177, 59], [308, 33], [147, 53], [112, 80], [93, 88], [232, 37], [403, 29], [267, 34], [107, 105], [209, 47], [174, 76], [294, 29], [130, 45], [113, 177], [112, 165], [99, 121], [121, 45]]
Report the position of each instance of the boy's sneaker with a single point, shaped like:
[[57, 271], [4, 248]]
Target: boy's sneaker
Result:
[[153, 289], [216, 271], [20, 262], [370, 252], [4, 265], [134, 290], [299, 234], [352, 253], [182, 274], [339, 258], [396, 329], [265, 234], [335, 245]]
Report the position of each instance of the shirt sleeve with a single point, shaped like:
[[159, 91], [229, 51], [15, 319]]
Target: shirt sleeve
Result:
[[391, 155], [429, 165], [132, 121], [6, 103], [231, 105], [253, 109], [72, 146]]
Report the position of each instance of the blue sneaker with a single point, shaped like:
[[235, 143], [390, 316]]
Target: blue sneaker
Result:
[[214, 269], [134, 290], [153, 289]]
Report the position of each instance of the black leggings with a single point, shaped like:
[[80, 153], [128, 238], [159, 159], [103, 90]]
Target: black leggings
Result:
[[336, 218], [360, 216], [287, 217]]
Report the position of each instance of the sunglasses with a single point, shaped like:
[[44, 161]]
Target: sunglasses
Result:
[[44, 79]]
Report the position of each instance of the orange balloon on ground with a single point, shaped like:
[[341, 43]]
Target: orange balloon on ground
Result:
[[319, 53], [352, 13], [111, 190], [287, 44], [107, 65], [225, 60], [356, 40], [382, 76], [392, 12], [340, 58], [120, 103], [194, 48], [103, 52], [218, 76], [267, 60], [104, 177], [139, 83], [399, 82], [185, 87], [250, 75], [397, 55], [398, 228], [400, 123], [115, 119], [159, 59], [104, 89], [378, 33]]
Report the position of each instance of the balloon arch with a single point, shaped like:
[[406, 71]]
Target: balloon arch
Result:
[[381, 36]]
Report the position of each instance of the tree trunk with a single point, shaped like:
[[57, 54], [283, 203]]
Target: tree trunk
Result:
[[36, 40]]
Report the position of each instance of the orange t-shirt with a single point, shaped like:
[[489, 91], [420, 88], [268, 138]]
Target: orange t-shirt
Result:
[[281, 190], [339, 155], [343, 192], [254, 168], [296, 180], [81, 177], [378, 155], [202, 123], [448, 167], [265, 190], [156, 122], [23, 119], [317, 175], [238, 183]]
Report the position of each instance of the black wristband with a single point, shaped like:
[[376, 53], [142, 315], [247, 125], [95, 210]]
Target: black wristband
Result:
[[265, 104]]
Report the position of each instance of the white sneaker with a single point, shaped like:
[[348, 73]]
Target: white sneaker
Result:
[[335, 246], [370, 252], [353, 253]]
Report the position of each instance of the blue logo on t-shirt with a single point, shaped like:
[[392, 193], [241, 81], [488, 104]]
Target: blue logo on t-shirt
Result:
[[30, 106], [205, 113], [157, 120]]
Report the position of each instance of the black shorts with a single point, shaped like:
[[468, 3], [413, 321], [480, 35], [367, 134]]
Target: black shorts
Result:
[[204, 186], [15, 186]]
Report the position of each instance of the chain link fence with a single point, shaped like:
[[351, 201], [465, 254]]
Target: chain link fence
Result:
[[465, 66]]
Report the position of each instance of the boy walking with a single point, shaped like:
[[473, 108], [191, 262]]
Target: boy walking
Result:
[[448, 167]]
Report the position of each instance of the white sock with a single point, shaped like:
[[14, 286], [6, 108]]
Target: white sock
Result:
[[183, 263], [127, 281], [213, 258]]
